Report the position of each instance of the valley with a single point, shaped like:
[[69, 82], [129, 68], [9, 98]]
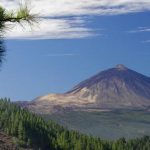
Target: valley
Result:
[[105, 124]]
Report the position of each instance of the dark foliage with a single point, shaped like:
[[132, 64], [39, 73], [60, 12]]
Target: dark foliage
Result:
[[2, 50]]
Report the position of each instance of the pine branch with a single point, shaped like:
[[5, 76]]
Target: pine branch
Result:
[[21, 15]]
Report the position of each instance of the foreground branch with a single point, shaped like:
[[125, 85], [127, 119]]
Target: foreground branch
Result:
[[21, 15]]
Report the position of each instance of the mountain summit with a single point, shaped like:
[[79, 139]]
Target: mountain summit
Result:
[[118, 87], [120, 67]]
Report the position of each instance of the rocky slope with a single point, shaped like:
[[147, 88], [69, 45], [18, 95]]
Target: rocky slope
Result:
[[118, 87]]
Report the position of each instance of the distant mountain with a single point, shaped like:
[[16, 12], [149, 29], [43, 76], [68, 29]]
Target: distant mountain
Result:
[[118, 87]]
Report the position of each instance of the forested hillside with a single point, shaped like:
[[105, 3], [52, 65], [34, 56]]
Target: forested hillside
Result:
[[31, 131]]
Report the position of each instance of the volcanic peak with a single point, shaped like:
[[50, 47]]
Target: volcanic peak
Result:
[[121, 67]]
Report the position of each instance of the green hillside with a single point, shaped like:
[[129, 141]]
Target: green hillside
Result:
[[109, 125], [31, 131]]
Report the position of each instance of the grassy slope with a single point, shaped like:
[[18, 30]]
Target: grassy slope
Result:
[[108, 125]]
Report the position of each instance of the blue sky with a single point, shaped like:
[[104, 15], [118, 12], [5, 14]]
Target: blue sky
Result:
[[64, 56]]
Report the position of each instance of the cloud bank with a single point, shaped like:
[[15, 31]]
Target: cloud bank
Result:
[[59, 27]]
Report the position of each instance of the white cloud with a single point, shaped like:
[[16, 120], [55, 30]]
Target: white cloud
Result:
[[146, 41], [66, 8], [140, 29], [82, 7], [144, 29], [51, 29]]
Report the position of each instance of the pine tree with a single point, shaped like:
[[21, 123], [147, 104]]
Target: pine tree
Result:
[[21, 131]]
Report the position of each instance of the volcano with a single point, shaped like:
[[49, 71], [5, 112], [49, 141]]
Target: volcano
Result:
[[118, 87]]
